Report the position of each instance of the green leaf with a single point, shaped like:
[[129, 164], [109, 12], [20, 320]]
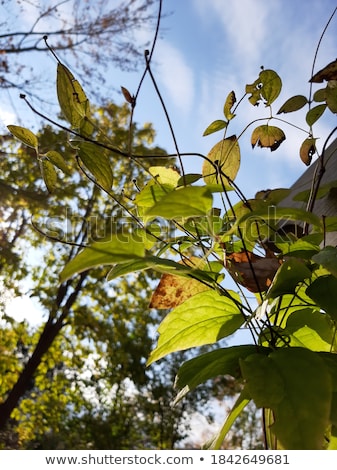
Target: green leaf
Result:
[[26, 136], [327, 258], [118, 248], [151, 194], [290, 273], [49, 174], [267, 136], [324, 292], [310, 329], [202, 319], [293, 104], [296, 384], [190, 178], [215, 126], [223, 162], [189, 201], [73, 101], [229, 103], [314, 114], [331, 95], [224, 361], [96, 160], [126, 268], [56, 159]]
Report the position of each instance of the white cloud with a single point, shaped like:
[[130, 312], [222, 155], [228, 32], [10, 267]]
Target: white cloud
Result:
[[175, 75]]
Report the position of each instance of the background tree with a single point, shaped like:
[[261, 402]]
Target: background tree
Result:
[[78, 379], [104, 31]]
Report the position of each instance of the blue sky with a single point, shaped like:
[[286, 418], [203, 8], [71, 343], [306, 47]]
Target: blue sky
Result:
[[207, 48]]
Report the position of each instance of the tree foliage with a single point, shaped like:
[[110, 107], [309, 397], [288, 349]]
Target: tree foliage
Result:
[[104, 31], [79, 379]]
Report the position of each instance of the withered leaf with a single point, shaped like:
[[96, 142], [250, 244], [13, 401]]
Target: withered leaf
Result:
[[267, 136], [173, 290], [307, 150], [329, 72], [252, 271]]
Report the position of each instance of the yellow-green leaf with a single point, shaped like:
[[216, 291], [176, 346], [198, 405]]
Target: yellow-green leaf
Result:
[[189, 201], [202, 319], [49, 174], [229, 103], [56, 159], [117, 248], [315, 113], [73, 101], [267, 136], [96, 160], [223, 162], [26, 136], [215, 126], [293, 104], [267, 86]]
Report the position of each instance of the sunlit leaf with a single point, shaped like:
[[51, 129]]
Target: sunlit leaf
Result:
[[49, 174], [96, 160], [293, 104], [315, 113], [310, 329], [73, 101], [268, 86], [291, 272], [202, 319], [117, 248], [215, 126], [223, 162], [307, 150], [296, 384], [329, 72], [267, 136], [229, 103], [186, 201], [56, 159], [26, 136], [165, 176]]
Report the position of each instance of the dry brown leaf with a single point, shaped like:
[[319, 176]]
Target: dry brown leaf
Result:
[[252, 271], [173, 290], [329, 72]]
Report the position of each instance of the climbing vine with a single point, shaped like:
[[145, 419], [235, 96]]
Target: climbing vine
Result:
[[199, 230]]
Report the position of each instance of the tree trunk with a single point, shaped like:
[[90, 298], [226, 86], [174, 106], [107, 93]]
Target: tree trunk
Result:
[[48, 335]]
